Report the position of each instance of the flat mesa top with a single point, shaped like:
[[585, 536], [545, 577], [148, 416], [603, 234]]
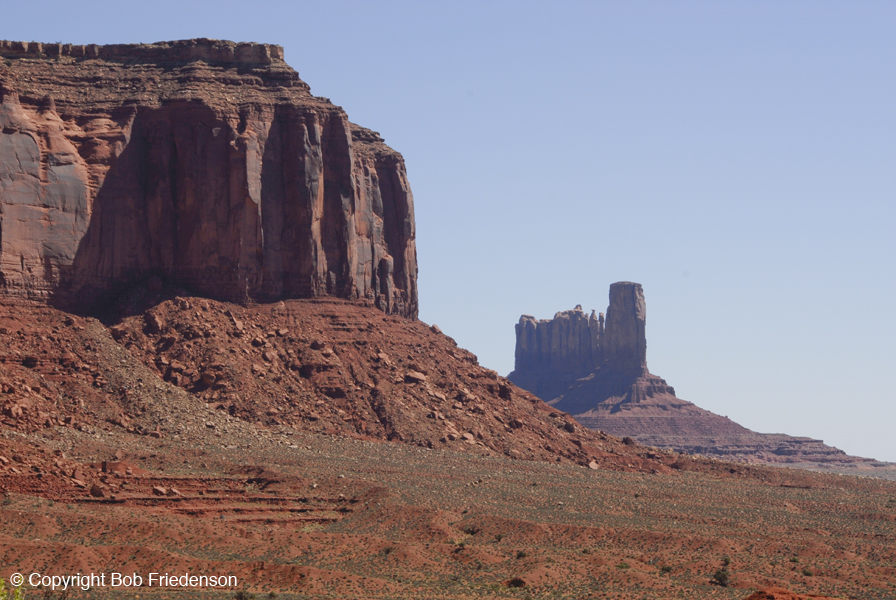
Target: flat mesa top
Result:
[[210, 51]]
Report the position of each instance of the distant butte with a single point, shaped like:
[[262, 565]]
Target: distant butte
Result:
[[595, 368]]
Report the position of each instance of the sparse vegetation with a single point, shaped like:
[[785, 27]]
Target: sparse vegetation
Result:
[[10, 593], [722, 577], [409, 500]]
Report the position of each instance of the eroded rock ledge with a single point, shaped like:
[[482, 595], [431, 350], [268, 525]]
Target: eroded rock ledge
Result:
[[210, 51]]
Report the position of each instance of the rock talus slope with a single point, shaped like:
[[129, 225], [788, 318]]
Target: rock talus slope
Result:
[[206, 163]]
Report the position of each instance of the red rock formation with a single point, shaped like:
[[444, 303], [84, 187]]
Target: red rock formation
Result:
[[596, 370], [207, 163], [552, 354]]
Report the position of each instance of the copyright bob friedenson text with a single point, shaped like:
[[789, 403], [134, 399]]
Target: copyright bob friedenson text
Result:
[[86, 581]]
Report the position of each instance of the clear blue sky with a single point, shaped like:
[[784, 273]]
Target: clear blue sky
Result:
[[736, 158]]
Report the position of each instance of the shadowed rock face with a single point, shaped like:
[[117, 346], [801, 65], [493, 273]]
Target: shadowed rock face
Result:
[[206, 163], [551, 354], [596, 370], [625, 340]]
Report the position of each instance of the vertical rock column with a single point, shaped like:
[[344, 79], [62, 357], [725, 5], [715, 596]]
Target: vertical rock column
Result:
[[625, 341]]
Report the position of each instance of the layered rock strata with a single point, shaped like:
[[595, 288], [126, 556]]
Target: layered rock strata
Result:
[[206, 163], [595, 368]]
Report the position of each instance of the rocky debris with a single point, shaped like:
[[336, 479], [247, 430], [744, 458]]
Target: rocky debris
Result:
[[338, 368], [414, 377], [777, 593], [321, 366], [596, 370], [117, 163]]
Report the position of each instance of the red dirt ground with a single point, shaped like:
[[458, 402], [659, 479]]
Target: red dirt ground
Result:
[[306, 448]]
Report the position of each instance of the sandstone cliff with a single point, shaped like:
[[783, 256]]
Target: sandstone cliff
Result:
[[206, 163], [596, 369]]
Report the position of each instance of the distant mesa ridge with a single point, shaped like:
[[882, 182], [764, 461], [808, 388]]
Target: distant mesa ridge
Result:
[[595, 368], [204, 163]]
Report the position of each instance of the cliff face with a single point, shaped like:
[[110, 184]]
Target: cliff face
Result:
[[207, 163], [626, 339], [551, 354]]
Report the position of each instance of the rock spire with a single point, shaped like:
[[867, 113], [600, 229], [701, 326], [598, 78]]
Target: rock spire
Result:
[[595, 369]]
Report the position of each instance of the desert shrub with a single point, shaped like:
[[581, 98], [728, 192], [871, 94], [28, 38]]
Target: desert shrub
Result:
[[471, 530], [666, 569], [807, 572], [623, 565], [15, 593], [722, 577], [521, 554], [516, 582], [794, 559], [628, 441], [726, 561], [499, 537], [243, 595], [272, 596]]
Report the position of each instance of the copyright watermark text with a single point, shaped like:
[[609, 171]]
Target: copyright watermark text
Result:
[[86, 581]]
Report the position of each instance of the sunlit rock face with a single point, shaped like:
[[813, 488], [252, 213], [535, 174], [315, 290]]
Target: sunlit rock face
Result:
[[205, 163]]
